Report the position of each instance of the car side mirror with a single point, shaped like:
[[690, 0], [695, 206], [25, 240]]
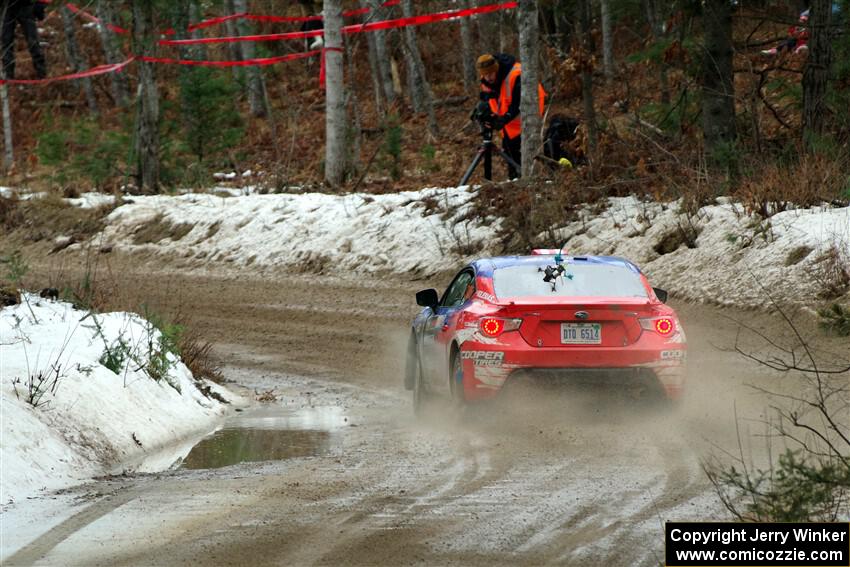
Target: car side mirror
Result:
[[427, 298], [660, 294]]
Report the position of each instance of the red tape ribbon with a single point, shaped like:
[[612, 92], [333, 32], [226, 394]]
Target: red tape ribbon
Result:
[[244, 63], [355, 28], [322, 67], [94, 71], [92, 18], [223, 19]]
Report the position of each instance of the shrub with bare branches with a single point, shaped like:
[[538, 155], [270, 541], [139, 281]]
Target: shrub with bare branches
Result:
[[810, 481]]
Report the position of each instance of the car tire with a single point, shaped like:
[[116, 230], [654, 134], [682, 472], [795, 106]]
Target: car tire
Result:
[[456, 380], [420, 394]]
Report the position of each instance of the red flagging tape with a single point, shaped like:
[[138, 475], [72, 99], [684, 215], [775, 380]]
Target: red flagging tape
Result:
[[265, 37], [243, 63], [385, 24], [94, 71], [223, 19], [322, 67], [103, 69], [92, 18], [356, 28], [281, 19]]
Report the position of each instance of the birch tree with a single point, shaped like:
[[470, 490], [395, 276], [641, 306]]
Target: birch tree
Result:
[[530, 101], [120, 85], [420, 90], [147, 114], [255, 82], [718, 92], [334, 95]]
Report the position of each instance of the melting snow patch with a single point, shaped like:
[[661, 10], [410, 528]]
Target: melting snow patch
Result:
[[67, 417]]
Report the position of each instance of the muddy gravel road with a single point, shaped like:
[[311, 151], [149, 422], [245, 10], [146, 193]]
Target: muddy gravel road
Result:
[[539, 479]]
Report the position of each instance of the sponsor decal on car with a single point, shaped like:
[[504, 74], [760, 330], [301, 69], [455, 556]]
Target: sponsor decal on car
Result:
[[483, 357], [486, 296]]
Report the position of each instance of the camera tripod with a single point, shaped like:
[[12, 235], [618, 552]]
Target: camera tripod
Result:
[[485, 152]]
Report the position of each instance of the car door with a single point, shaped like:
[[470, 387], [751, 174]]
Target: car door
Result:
[[439, 329]]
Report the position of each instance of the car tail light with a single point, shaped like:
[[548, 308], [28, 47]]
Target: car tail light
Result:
[[495, 326], [664, 326]]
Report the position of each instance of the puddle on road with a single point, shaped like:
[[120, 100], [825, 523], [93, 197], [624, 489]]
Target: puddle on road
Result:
[[268, 434]]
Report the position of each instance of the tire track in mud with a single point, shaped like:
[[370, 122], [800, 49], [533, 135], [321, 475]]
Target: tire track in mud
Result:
[[36, 550]]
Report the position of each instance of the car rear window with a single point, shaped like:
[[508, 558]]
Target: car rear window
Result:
[[593, 280]]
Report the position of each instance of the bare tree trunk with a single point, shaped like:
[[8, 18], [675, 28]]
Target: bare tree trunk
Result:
[[147, 119], [198, 51], [587, 74], [718, 91], [656, 25], [816, 73], [377, 85], [8, 151], [77, 62], [334, 103], [235, 50], [488, 30], [255, 83], [470, 78], [420, 90], [353, 109], [607, 40], [529, 106], [381, 52], [120, 85]]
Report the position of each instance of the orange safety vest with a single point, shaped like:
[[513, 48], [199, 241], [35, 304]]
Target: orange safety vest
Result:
[[503, 103]]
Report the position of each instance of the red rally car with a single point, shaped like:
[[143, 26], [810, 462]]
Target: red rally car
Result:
[[546, 317]]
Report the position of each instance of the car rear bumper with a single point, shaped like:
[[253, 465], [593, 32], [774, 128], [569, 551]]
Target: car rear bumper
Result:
[[649, 363]]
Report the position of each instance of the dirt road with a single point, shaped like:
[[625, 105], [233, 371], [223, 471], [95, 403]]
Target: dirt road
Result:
[[576, 480]]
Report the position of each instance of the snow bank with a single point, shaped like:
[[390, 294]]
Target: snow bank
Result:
[[332, 233], [93, 419], [735, 258], [411, 232]]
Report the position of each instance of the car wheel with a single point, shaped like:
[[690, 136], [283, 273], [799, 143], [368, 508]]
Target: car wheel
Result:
[[456, 380], [420, 395]]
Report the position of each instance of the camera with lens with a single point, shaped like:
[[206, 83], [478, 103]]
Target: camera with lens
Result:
[[482, 114]]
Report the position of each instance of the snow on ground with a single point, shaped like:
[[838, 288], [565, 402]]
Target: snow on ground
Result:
[[90, 420], [736, 258], [339, 234], [410, 232]]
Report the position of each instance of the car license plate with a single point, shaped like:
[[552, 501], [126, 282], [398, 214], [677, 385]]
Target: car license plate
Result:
[[581, 333]]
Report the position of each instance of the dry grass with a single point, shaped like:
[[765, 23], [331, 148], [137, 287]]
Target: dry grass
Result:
[[159, 228], [50, 216], [832, 272], [812, 181]]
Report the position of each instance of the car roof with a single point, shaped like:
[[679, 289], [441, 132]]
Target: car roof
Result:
[[486, 266]]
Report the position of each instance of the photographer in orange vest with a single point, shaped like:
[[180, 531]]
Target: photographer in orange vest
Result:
[[501, 87]]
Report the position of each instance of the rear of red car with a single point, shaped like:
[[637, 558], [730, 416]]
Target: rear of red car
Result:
[[596, 321]]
